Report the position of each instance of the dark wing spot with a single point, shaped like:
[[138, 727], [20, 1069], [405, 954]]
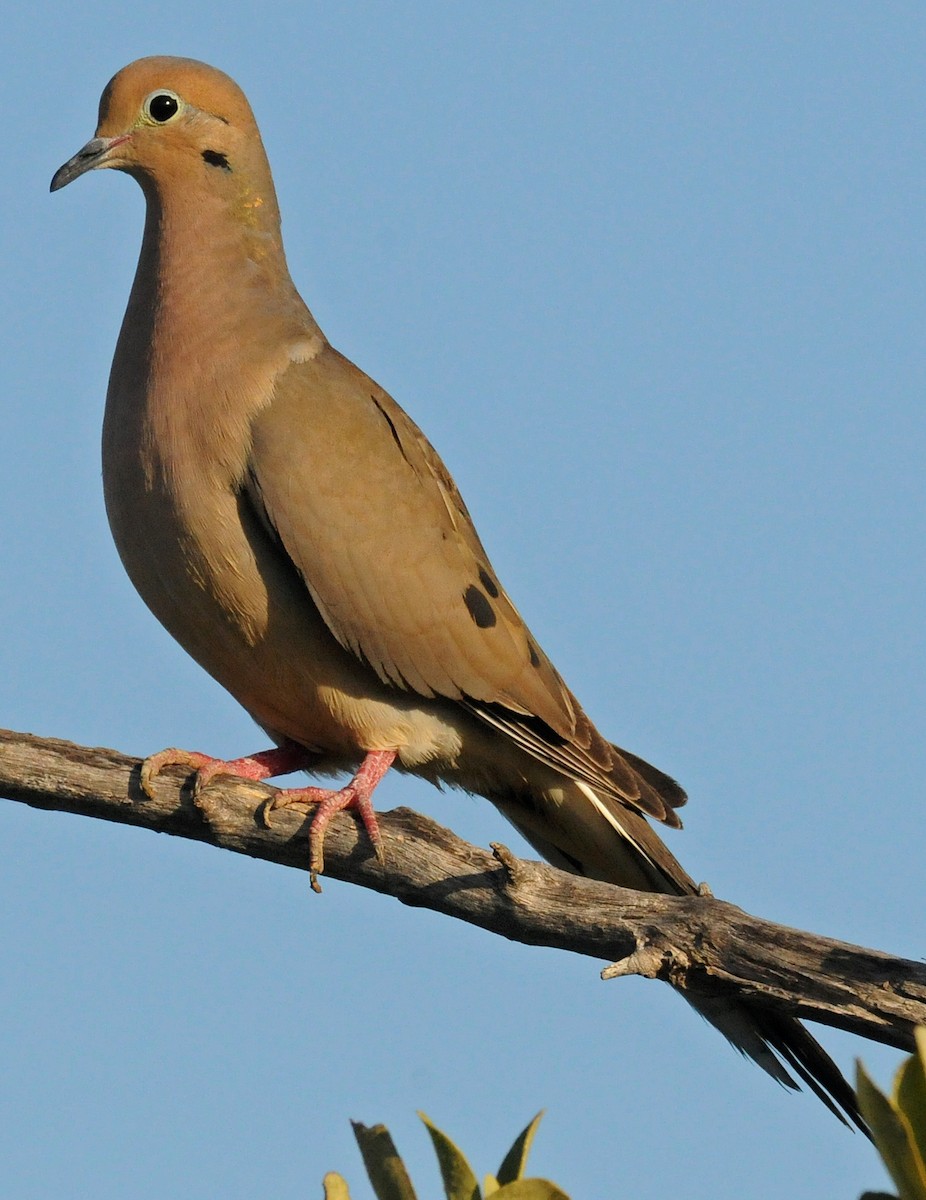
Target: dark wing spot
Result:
[[480, 609], [215, 159], [392, 429], [532, 650], [488, 582]]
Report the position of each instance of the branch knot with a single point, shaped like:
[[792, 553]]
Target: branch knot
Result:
[[646, 960], [513, 869]]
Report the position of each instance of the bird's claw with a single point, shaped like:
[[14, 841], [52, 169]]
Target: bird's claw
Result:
[[328, 803], [356, 795], [154, 764]]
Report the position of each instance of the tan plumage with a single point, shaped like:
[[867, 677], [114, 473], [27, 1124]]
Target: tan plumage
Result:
[[295, 531]]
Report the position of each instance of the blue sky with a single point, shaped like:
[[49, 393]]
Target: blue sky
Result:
[[651, 279]]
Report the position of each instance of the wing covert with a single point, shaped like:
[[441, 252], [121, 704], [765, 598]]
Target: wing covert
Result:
[[373, 521]]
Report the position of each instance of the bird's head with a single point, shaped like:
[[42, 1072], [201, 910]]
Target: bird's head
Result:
[[174, 123]]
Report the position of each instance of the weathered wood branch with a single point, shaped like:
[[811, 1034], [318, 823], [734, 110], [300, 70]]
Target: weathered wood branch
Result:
[[696, 943]]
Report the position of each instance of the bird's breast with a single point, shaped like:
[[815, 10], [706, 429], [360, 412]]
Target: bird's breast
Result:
[[203, 563]]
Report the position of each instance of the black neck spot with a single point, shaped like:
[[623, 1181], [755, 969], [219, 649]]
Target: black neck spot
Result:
[[215, 159]]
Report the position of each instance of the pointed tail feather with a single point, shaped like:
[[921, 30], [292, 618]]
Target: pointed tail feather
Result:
[[777, 1043]]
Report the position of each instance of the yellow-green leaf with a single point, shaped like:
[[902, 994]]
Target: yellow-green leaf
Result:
[[530, 1189], [384, 1167], [335, 1187], [516, 1159], [459, 1181], [893, 1137], [910, 1098], [489, 1185]]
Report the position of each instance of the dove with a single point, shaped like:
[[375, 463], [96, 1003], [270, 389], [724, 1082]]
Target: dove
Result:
[[296, 533]]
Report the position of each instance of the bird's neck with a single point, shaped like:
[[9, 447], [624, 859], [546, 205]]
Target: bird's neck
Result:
[[212, 268], [213, 317]]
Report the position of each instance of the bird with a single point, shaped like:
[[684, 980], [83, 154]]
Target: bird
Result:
[[294, 530]]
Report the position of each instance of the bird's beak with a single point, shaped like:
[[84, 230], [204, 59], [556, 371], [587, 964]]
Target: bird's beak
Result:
[[88, 158]]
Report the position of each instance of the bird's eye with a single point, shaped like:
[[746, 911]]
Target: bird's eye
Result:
[[161, 106]]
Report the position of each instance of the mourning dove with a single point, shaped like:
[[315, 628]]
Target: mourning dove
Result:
[[295, 531]]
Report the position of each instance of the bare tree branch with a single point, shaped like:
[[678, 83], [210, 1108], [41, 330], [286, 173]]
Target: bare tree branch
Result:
[[696, 943]]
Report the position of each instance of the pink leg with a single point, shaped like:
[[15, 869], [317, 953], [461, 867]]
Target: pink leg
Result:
[[281, 760], [355, 795]]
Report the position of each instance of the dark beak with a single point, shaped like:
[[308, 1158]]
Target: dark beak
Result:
[[88, 158]]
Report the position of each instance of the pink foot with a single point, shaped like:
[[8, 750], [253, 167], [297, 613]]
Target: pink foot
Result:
[[281, 760], [356, 795]]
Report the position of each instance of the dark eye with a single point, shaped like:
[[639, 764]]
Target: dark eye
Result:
[[161, 106]]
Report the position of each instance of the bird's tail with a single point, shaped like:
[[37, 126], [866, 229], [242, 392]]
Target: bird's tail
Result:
[[783, 1048], [573, 827]]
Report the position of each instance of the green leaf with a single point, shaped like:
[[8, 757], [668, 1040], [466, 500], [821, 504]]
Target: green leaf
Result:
[[530, 1189], [385, 1169], [516, 1159], [335, 1187], [893, 1137], [489, 1185], [910, 1099], [459, 1181]]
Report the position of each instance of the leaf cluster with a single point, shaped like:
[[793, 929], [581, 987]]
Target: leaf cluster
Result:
[[898, 1123], [390, 1179]]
